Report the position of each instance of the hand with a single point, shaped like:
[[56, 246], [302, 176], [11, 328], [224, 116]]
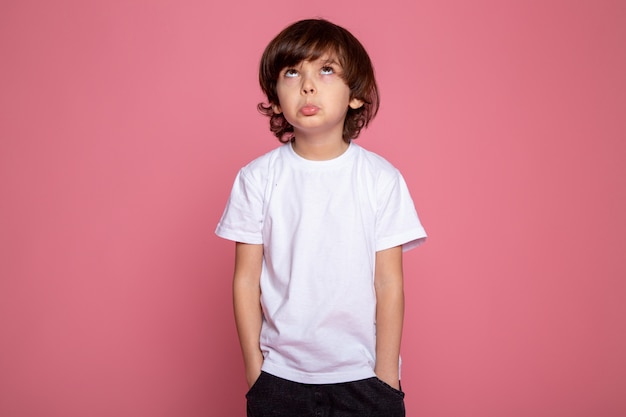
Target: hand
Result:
[[390, 379], [252, 376]]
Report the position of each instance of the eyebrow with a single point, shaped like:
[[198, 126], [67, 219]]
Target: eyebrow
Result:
[[330, 60], [327, 61]]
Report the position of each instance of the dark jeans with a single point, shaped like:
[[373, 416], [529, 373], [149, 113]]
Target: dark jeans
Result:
[[271, 396]]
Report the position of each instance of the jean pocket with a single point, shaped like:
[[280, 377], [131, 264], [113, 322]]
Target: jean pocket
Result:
[[256, 385], [389, 388]]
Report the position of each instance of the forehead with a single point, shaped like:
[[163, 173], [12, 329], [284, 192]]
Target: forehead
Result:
[[322, 60], [326, 59], [294, 54]]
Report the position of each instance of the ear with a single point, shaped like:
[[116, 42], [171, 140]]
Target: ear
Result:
[[276, 109], [356, 103]]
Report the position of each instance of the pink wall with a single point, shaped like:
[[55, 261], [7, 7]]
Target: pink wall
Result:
[[123, 123]]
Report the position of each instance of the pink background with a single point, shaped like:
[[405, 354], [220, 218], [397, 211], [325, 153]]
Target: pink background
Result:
[[123, 124]]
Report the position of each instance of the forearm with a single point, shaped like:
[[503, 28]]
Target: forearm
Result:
[[389, 314], [247, 306], [389, 318], [248, 319]]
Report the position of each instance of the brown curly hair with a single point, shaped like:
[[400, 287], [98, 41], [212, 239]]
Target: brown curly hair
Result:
[[308, 40]]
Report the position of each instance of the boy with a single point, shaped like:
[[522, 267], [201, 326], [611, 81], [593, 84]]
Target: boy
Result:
[[320, 225]]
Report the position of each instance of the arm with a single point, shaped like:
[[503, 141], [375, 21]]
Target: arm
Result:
[[388, 282], [247, 306]]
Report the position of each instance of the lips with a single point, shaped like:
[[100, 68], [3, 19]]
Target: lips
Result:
[[309, 110]]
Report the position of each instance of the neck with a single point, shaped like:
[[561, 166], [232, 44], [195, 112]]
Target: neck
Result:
[[319, 146], [319, 151]]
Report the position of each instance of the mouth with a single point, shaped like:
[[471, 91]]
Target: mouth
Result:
[[309, 110]]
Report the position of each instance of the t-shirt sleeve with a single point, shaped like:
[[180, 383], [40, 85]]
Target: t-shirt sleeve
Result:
[[242, 220], [397, 222]]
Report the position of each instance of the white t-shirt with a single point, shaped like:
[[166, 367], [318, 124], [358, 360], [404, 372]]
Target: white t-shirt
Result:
[[321, 224]]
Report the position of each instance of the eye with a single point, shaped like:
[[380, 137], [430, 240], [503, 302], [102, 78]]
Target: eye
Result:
[[327, 70], [290, 73]]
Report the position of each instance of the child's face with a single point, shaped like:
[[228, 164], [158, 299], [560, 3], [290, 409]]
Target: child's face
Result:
[[314, 98]]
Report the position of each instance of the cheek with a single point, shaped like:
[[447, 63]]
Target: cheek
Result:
[[287, 83], [284, 90]]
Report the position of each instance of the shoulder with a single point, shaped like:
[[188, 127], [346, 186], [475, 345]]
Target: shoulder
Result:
[[376, 165], [259, 167], [264, 160]]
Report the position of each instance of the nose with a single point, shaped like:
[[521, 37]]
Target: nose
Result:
[[308, 86]]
